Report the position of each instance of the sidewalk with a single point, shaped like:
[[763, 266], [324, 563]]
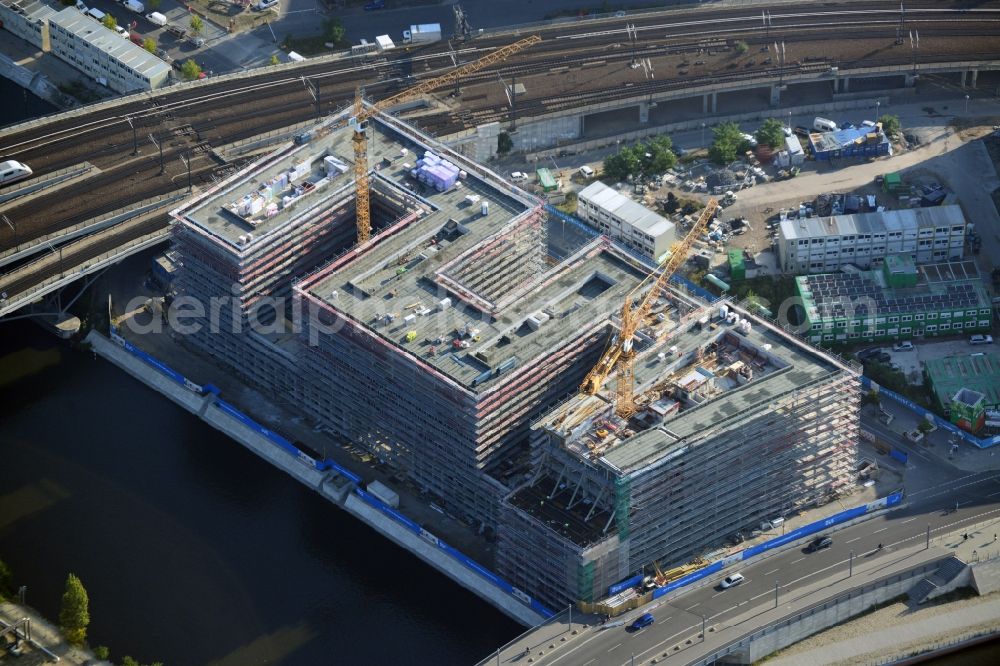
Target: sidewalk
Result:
[[45, 634]]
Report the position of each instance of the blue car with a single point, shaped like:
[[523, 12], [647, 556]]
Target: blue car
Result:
[[642, 622]]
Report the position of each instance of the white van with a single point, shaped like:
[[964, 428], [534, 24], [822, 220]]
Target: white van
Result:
[[586, 171], [518, 176], [11, 171], [824, 125], [156, 18]]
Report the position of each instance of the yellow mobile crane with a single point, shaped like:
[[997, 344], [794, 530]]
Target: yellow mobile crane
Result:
[[362, 114], [619, 355]]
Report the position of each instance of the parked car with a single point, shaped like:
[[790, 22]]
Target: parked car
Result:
[[732, 580], [866, 354], [905, 345], [642, 622], [518, 176], [981, 340], [265, 4], [585, 171], [882, 357], [819, 543]]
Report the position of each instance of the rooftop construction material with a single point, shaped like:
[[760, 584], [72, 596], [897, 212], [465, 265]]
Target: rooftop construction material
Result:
[[898, 301], [739, 422], [856, 142]]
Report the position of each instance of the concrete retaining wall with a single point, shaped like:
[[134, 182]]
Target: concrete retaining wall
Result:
[[843, 608], [36, 83], [985, 576]]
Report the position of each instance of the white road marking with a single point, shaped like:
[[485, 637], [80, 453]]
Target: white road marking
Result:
[[798, 560], [723, 592], [697, 604], [881, 530], [773, 571], [617, 646], [853, 540], [908, 520]]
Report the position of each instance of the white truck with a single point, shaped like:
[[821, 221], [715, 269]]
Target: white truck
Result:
[[424, 33], [134, 5], [156, 18]]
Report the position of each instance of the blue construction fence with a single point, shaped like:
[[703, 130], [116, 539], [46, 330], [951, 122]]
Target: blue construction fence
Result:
[[328, 464], [944, 424], [812, 528]]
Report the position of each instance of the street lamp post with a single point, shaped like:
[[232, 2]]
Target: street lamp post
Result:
[[967, 104], [927, 542], [877, 104], [850, 565], [703, 135], [703, 637], [775, 593]]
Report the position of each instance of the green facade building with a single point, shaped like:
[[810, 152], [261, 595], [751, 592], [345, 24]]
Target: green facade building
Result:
[[897, 301], [965, 386]]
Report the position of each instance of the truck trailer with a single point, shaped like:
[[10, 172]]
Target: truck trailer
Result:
[[424, 33], [134, 5]]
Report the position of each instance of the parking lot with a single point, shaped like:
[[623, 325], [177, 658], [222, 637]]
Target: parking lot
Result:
[[910, 362]]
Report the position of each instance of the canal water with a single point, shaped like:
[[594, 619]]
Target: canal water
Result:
[[193, 550]]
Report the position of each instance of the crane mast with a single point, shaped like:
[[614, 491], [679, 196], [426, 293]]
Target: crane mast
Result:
[[362, 113], [620, 355]]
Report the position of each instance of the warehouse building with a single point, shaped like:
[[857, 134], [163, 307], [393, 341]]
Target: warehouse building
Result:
[[739, 423], [966, 387], [854, 142], [897, 301], [102, 54], [863, 240], [435, 344], [624, 220]]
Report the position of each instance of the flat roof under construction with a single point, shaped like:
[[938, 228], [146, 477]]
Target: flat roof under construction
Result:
[[471, 280], [780, 365]]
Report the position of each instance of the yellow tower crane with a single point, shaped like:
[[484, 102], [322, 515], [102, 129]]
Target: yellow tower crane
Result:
[[362, 114], [619, 355]]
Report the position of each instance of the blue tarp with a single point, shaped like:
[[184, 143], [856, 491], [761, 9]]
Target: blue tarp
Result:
[[625, 584]]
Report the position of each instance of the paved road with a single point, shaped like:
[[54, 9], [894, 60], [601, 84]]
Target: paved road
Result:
[[795, 572]]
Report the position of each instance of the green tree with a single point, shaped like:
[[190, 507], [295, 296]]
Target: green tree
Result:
[[641, 159], [741, 47], [333, 30], [728, 142], [102, 652], [924, 426], [771, 133], [74, 615], [196, 24], [870, 398], [274, 59], [190, 70], [890, 124], [149, 44], [505, 144], [109, 21]]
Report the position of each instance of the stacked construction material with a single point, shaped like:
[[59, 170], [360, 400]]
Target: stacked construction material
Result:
[[436, 172]]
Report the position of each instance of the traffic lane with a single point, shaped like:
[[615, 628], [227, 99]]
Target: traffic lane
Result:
[[680, 617]]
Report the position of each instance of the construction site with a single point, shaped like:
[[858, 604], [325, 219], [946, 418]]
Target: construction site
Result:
[[540, 382], [736, 423]]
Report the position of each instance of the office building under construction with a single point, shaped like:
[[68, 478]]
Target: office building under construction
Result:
[[436, 343], [738, 423], [464, 320]]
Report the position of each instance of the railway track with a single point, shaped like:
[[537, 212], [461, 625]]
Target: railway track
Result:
[[231, 110]]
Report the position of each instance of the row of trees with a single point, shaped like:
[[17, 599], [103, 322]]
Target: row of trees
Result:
[[729, 141], [641, 159]]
